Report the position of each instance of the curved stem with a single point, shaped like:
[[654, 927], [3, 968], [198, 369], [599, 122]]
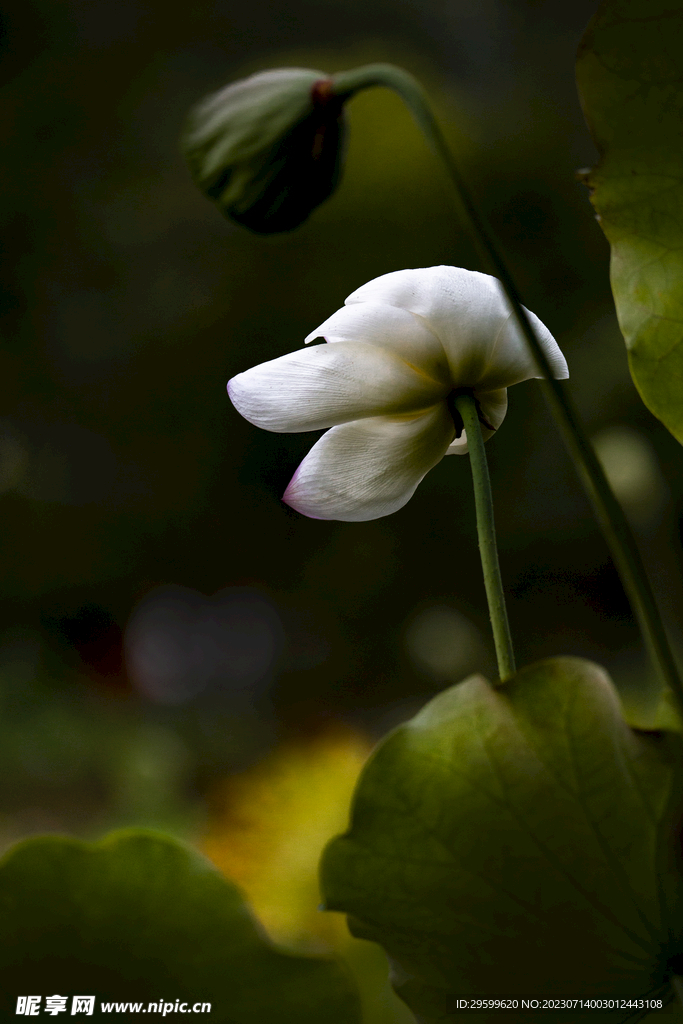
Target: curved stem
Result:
[[607, 510], [486, 531]]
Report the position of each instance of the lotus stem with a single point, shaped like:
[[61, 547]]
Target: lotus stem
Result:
[[607, 509], [486, 531]]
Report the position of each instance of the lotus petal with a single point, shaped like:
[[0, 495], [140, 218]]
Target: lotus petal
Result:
[[370, 467], [330, 384]]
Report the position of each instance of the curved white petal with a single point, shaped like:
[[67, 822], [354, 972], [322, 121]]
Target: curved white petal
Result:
[[371, 467], [422, 290], [493, 406], [391, 327], [510, 360], [329, 384], [470, 314]]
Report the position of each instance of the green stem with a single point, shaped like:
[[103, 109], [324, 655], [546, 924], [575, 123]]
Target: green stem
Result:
[[607, 509], [486, 530]]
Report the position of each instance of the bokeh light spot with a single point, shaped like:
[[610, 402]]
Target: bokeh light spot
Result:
[[443, 642], [178, 643]]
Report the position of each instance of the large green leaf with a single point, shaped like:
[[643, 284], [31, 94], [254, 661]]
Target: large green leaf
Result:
[[519, 841], [629, 79], [140, 918]]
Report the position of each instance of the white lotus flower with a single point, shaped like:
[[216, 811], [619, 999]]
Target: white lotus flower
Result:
[[397, 350]]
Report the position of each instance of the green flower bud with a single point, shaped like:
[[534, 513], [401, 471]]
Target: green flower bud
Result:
[[267, 149]]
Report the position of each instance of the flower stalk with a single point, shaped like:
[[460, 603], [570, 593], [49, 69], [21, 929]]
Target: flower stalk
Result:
[[466, 406], [608, 512]]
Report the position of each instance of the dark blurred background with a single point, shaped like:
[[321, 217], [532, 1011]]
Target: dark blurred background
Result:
[[166, 623]]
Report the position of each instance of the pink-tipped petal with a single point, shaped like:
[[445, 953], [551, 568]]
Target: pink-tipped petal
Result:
[[370, 467]]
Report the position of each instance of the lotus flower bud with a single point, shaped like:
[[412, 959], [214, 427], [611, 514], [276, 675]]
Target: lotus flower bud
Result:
[[267, 149]]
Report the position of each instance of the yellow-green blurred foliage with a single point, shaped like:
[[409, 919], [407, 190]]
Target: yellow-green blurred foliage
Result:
[[266, 830], [268, 826]]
